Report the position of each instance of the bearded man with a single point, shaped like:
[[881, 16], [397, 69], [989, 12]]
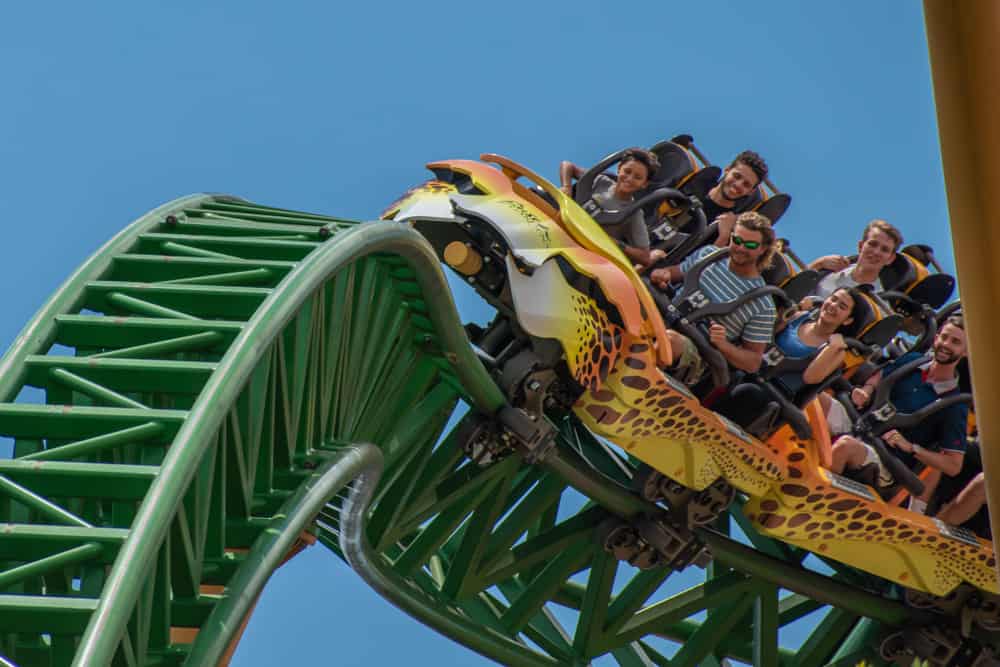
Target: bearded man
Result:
[[939, 441]]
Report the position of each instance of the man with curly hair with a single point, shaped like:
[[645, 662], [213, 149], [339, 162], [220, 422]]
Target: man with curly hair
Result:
[[729, 196], [744, 173], [742, 335]]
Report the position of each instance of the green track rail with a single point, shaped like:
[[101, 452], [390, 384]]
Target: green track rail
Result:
[[195, 396]]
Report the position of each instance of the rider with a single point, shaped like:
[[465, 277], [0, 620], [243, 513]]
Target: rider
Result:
[[961, 500], [739, 179], [876, 250], [634, 169], [817, 334], [742, 335], [968, 507], [807, 332], [723, 199], [945, 430]]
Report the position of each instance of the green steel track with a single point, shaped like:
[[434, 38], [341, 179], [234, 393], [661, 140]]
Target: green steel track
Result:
[[221, 377]]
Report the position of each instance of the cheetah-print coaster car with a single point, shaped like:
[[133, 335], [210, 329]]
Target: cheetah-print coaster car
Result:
[[616, 353]]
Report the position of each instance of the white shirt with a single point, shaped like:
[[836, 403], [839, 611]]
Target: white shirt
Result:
[[842, 279]]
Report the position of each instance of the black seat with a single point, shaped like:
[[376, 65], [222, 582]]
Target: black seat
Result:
[[875, 324], [666, 219], [796, 283], [677, 164], [773, 204], [964, 370], [909, 274], [774, 207], [678, 232], [919, 321], [873, 328], [784, 390]]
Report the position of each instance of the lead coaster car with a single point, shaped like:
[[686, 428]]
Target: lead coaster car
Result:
[[558, 277]]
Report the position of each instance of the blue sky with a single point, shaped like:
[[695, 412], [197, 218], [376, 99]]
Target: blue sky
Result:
[[110, 109]]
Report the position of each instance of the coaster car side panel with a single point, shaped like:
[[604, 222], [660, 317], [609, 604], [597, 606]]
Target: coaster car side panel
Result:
[[660, 423], [825, 514], [591, 342], [589, 234], [533, 238], [546, 305]]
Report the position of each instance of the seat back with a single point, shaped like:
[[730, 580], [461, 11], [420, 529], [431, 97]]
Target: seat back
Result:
[[874, 323], [774, 207], [797, 284], [696, 184], [677, 164], [910, 274]]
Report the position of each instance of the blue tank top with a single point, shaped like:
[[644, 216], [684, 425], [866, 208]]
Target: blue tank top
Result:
[[788, 340]]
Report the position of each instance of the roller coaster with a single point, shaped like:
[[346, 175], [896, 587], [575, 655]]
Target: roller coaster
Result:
[[225, 383]]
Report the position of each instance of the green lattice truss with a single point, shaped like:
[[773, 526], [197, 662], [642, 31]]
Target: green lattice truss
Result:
[[190, 401]]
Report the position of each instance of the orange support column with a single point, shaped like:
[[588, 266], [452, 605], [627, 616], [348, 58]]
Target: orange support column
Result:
[[964, 42]]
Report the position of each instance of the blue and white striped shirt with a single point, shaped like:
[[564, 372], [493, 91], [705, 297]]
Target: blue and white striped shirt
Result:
[[752, 322]]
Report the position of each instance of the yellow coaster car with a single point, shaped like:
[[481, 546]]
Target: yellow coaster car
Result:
[[551, 270]]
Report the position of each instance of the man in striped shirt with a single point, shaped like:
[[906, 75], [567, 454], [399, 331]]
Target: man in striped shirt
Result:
[[744, 334]]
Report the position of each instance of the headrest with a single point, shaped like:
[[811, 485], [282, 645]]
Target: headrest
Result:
[[908, 273], [801, 285], [774, 207], [953, 308], [964, 371], [920, 252], [675, 163], [933, 290], [901, 273], [701, 182], [872, 324], [751, 201], [964, 376], [781, 269]]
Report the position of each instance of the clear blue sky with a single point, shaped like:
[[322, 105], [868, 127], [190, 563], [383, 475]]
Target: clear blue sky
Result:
[[111, 109]]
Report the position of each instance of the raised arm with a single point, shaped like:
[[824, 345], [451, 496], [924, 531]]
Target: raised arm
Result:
[[727, 221], [829, 263], [827, 361], [568, 172]]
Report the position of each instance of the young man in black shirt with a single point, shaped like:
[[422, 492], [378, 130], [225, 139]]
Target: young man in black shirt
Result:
[[739, 179]]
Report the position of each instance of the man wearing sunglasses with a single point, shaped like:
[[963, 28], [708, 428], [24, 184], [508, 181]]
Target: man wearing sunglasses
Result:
[[742, 335]]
